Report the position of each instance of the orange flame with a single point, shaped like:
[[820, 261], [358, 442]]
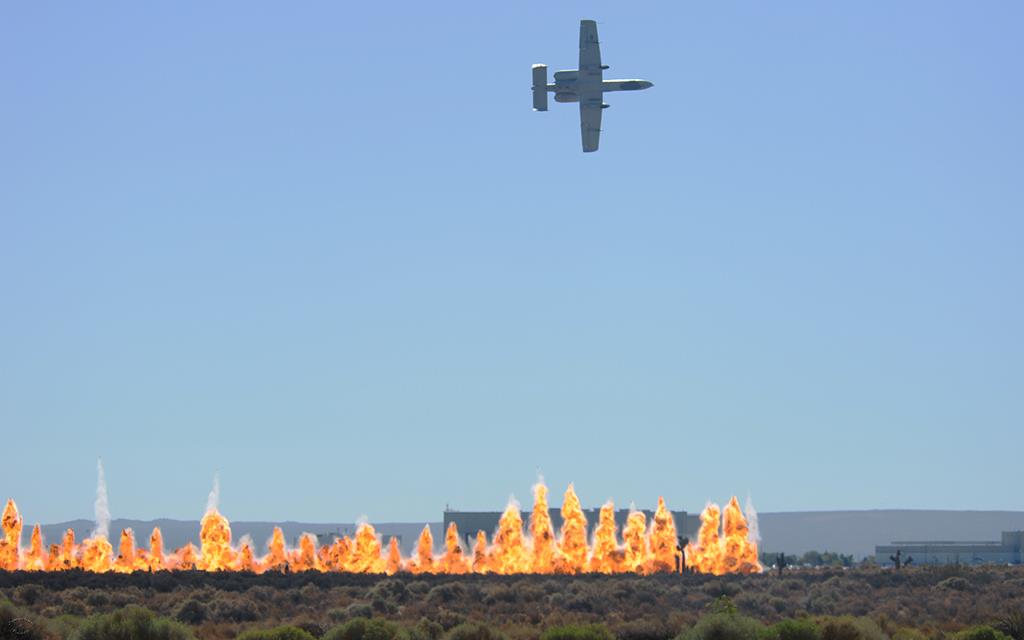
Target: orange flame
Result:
[[723, 546], [10, 546], [35, 560], [636, 541], [509, 551], [156, 550], [573, 542], [606, 557], [394, 563], [542, 532], [729, 552], [481, 557], [97, 555]]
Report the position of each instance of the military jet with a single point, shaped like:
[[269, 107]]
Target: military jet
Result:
[[585, 85]]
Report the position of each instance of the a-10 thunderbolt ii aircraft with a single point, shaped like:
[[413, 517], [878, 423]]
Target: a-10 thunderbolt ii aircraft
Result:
[[585, 85]]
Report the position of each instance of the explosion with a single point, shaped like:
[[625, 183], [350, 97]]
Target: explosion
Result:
[[724, 545], [731, 551]]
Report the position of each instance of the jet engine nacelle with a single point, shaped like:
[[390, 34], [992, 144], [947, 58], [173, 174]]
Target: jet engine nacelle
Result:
[[566, 97]]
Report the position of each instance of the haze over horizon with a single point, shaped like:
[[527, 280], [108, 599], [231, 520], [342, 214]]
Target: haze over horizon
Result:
[[330, 252]]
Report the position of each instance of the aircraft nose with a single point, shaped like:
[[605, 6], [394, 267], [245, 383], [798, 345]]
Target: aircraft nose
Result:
[[649, 85]]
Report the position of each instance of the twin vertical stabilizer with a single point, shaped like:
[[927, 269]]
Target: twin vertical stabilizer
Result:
[[540, 87]]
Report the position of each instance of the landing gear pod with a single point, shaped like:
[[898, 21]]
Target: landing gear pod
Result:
[[540, 87]]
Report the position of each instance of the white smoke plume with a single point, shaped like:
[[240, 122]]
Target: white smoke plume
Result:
[[213, 500], [102, 507], [754, 534]]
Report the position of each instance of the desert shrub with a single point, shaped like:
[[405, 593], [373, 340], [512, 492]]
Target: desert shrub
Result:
[[446, 593], [908, 633], [380, 605], [981, 632], [724, 626], [28, 594], [1012, 624], [419, 587], [364, 629], [721, 587], [426, 629], [337, 615], [447, 618], [131, 623], [312, 627], [474, 631], [235, 609], [502, 593], [358, 610], [848, 628], [63, 626], [644, 629], [954, 583], [192, 612], [279, 633], [97, 598], [392, 590], [261, 593], [72, 607], [18, 624], [578, 632], [802, 629]]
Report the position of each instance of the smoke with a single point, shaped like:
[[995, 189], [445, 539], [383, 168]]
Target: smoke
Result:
[[751, 515], [101, 507], [213, 500]]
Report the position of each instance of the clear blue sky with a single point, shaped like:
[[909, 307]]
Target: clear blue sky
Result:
[[328, 250]]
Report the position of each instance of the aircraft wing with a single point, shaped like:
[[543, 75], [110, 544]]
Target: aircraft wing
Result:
[[590, 49], [590, 124]]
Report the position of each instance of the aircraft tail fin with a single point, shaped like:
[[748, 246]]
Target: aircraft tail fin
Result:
[[540, 87]]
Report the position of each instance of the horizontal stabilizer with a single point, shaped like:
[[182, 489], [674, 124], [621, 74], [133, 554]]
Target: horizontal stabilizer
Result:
[[540, 87]]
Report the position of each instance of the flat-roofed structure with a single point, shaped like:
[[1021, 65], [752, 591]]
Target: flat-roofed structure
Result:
[[1005, 551], [469, 522]]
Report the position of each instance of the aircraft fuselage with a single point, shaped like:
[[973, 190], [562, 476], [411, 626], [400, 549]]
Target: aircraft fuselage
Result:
[[568, 85]]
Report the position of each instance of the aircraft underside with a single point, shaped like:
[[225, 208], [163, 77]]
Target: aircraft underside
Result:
[[585, 85]]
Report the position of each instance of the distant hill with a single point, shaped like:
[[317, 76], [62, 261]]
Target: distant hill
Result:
[[852, 532]]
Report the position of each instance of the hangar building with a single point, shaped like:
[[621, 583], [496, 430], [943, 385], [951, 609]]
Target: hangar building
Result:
[[1005, 551]]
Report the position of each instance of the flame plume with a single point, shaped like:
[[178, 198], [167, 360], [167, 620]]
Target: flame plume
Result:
[[663, 540], [215, 542], [277, 559], [725, 544], [10, 546], [34, 559], [394, 563], [573, 541], [481, 557], [542, 532], [453, 560], [636, 541], [125, 560], [367, 557], [732, 551], [606, 557], [156, 550], [423, 562], [305, 558], [247, 559], [97, 555], [67, 560], [509, 552]]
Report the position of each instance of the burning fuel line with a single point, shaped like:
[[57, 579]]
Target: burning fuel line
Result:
[[723, 545]]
